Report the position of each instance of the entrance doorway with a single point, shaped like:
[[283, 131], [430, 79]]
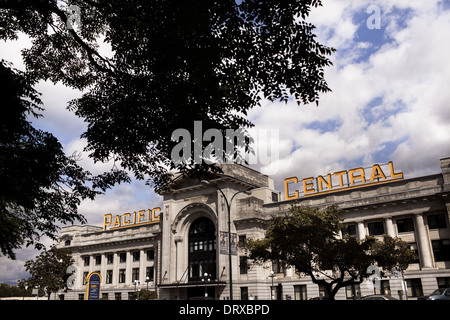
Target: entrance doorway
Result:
[[202, 250]]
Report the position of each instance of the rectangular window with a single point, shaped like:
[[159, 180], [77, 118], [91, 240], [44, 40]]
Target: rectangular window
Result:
[[109, 258], [81, 296], [350, 230], [413, 246], [150, 254], [98, 260], [414, 287], [150, 273], [277, 267], [441, 249], [117, 295], [86, 260], [274, 197], [243, 266], [405, 225], [135, 274], [443, 282], [300, 292], [122, 276], [109, 276], [376, 228], [136, 255], [123, 257], [105, 296], [384, 288], [436, 221], [244, 293]]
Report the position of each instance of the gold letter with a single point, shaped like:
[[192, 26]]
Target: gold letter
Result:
[[377, 173], [394, 175], [352, 177], [340, 174], [321, 180], [155, 217], [140, 215], [104, 221], [286, 188], [307, 183], [123, 219], [116, 221]]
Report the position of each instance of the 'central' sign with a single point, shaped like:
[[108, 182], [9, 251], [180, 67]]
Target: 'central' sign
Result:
[[341, 180]]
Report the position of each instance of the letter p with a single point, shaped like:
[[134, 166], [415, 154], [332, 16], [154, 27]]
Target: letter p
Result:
[[107, 219]]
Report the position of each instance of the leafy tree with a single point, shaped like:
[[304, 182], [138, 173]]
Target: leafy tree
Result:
[[393, 253], [40, 186], [14, 291], [144, 294], [49, 270], [307, 239], [173, 62]]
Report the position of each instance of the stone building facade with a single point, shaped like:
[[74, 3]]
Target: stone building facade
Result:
[[191, 239]]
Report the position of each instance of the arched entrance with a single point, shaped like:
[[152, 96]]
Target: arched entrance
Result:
[[202, 250]]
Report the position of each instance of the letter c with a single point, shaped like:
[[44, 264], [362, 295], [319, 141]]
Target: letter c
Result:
[[125, 222], [286, 188]]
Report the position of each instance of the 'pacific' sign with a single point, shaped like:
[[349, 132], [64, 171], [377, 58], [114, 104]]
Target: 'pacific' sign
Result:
[[131, 219], [342, 180]]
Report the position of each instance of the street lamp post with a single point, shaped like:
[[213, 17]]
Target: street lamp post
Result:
[[137, 285], [206, 280], [229, 228], [273, 276]]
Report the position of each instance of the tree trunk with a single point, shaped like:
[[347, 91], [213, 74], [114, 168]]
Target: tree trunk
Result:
[[331, 295]]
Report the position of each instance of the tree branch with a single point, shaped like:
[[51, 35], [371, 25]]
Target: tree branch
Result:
[[90, 51]]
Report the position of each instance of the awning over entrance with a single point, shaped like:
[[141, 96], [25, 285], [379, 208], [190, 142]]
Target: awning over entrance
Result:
[[191, 285]]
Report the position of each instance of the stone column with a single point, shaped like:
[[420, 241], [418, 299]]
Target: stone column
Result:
[[115, 279], [103, 268], [389, 227], [423, 243], [178, 265], [128, 269], [361, 230], [142, 268]]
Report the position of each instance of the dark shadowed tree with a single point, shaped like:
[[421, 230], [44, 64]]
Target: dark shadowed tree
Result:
[[49, 270], [172, 62], [307, 239], [40, 187]]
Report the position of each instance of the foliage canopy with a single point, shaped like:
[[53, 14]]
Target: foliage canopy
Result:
[[172, 62], [49, 270]]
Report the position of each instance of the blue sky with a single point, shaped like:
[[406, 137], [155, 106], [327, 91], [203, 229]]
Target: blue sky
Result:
[[390, 101]]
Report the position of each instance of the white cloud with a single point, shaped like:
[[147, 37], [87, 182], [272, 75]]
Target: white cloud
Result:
[[408, 74]]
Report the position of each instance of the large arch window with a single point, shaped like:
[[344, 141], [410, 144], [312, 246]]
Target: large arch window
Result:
[[202, 249]]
